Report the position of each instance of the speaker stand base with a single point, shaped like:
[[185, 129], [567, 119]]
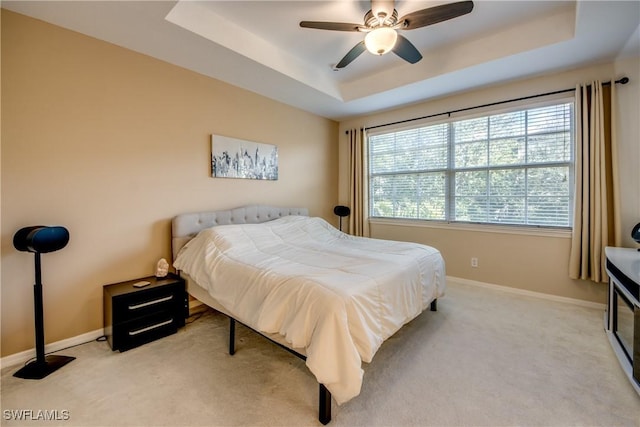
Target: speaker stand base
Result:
[[38, 369]]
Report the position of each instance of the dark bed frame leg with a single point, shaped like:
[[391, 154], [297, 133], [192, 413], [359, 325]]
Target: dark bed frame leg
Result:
[[324, 409], [434, 305], [232, 336], [324, 396]]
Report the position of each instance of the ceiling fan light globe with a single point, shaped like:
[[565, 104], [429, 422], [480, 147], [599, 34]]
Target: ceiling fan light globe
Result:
[[381, 40]]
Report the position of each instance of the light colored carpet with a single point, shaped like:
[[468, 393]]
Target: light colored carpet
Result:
[[485, 358]]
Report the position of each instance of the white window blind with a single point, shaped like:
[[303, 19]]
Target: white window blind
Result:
[[507, 168]]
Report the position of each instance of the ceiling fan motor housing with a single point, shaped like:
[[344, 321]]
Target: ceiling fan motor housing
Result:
[[382, 10], [371, 20]]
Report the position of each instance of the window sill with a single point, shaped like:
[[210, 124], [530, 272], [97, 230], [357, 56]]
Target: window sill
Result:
[[476, 227]]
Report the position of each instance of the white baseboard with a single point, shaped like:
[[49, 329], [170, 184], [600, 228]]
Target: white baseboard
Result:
[[517, 291], [23, 356], [195, 304]]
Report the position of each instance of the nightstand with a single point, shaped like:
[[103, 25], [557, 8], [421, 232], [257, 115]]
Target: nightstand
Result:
[[135, 316]]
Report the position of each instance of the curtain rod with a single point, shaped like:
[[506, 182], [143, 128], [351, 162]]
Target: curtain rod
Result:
[[623, 81]]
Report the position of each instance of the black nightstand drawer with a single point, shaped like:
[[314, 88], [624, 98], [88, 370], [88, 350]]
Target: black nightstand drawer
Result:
[[134, 316], [145, 329], [145, 302]]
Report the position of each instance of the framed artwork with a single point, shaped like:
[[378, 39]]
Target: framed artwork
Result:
[[236, 158]]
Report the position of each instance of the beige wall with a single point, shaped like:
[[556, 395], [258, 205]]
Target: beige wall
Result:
[[112, 144], [628, 128], [529, 262]]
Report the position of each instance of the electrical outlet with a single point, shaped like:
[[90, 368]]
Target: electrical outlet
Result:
[[474, 262]]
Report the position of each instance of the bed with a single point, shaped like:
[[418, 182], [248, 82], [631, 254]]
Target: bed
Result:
[[328, 297]]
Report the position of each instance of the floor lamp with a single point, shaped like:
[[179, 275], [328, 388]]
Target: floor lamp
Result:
[[341, 211], [40, 239]]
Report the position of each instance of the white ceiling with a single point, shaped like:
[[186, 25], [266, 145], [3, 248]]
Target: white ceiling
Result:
[[259, 45]]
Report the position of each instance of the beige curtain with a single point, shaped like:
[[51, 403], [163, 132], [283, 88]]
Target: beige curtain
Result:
[[596, 223], [358, 188]]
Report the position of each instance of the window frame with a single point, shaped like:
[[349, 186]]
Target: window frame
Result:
[[481, 112]]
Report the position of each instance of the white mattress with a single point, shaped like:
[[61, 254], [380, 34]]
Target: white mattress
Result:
[[335, 295]]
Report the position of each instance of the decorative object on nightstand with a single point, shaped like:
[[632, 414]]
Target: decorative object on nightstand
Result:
[[162, 268], [341, 211], [40, 239], [142, 310]]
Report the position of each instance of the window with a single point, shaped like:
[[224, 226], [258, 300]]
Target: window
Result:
[[513, 167]]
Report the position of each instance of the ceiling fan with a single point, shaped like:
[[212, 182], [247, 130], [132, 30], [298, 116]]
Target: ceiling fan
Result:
[[381, 25]]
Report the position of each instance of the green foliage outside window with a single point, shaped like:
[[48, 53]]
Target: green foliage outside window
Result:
[[510, 168]]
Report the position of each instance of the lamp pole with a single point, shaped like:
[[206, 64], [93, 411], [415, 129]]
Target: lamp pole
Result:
[[39, 315]]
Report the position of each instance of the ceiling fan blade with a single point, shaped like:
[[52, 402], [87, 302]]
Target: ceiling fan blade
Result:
[[351, 55], [333, 26], [406, 50], [433, 15]]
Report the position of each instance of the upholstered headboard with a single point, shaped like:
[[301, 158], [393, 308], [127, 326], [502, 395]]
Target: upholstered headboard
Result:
[[184, 227]]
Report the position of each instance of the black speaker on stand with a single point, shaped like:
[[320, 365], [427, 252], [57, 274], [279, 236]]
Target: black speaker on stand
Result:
[[635, 233], [341, 211], [40, 239]]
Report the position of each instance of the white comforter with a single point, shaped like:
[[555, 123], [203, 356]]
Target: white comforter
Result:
[[335, 295]]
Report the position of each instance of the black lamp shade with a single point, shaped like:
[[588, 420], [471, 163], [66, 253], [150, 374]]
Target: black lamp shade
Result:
[[41, 239], [342, 211]]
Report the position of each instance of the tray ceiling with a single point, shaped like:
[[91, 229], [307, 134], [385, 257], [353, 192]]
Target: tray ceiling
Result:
[[258, 45]]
